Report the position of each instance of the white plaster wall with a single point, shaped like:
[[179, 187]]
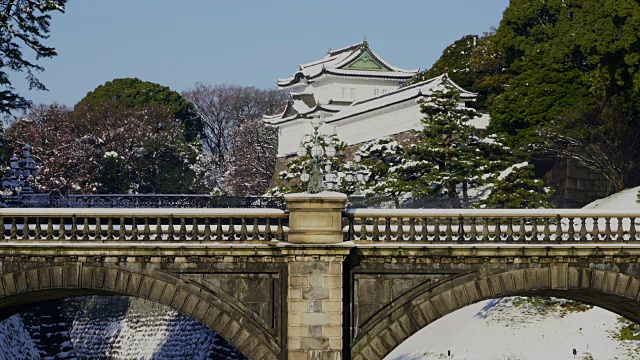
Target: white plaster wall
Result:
[[330, 88], [380, 123]]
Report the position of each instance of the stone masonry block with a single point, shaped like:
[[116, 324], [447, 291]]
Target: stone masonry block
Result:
[[230, 331], [98, 278], [388, 339], [179, 299], [145, 287], [110, 280], [299, 280], [332, 331], [622, 284], [312, 343], [298, 331], [574, 278], [314, 318], [332, 281], [122, 281], [610, 282], [72, 276], [559, 279], [168, 294], [21, 282], [86, 277], [597, 282], [33, 281], [211, 316], [332, 306], [335, 268], [57, 275], [543, 276], [156, 290], [201, 310], [298, 306], [190, 304], [295, 293], [316, 293], [45, 278], [9, 284], [315, 280]]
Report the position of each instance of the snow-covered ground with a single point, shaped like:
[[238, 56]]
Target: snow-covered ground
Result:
[[496, 329]]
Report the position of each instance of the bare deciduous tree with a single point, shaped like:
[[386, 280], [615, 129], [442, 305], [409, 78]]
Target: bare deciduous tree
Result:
[[253, 158], [223, 109]]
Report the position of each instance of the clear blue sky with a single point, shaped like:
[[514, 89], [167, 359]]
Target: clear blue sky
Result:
[[178, 43]]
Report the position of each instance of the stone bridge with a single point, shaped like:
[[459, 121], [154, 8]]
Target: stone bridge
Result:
[[319, 282]]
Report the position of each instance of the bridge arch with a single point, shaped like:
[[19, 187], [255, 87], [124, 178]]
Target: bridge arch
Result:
[[606, 287], [22, 289]]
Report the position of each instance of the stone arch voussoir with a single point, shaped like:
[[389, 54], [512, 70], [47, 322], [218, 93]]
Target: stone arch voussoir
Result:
[[24, 288], [609, 289]]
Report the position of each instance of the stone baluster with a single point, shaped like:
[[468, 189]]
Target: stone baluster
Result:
[[522, 235], [387, 229], [219, 233], [351, 231], [232, 229], [74, 228], [195, 232], [49, 228], [510, 229], [25, 228], [14, 228], [620, 230], [98, 229], [473, 235], [85, 229], [400, 231], [558, 228], [255, 235], [436, 229], [267, 229], [38, 230], [547, 229], [583, 229], [159, 231], [134, 229], [170, 229], [146, 230], [182, 236], [534, 230], [280, 231], [633, 232], [412, 229], [363, 229], [122, 229], [376, 230], [449, 230], [243, 228], [485, 229], [61, 230], [571, 232], [498, 231], [595, 232], [607, 229], [207, 228]]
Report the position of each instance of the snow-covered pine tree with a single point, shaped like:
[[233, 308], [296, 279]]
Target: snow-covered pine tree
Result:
[[378, 158], [515, 188], [444, 160]]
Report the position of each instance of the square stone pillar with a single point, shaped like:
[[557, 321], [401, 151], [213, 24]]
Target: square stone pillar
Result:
[[315, 253], [315, 298]]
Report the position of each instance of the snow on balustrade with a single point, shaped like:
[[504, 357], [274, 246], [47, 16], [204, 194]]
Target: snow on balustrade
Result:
[[139, 225], [469, 227]]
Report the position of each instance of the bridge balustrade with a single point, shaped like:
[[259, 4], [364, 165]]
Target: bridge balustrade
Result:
[[490, 226], [252, 225]]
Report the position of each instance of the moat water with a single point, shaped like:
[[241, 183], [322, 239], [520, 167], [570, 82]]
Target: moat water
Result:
[[109, 327]]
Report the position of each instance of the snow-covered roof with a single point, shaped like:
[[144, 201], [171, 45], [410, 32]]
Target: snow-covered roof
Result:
[[357, 60], [300, 105], [408, 93]]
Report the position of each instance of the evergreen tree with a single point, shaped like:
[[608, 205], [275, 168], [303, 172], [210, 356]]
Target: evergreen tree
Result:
[[380, 158], [516, 188], [23, 23], [446, 158], [135, 93]]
